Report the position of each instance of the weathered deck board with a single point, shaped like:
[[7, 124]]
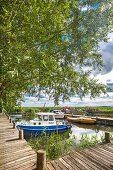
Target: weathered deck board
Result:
[[95, 158], [14, 153]]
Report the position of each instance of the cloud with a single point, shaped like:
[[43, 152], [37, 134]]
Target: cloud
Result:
[[107, 56], [74, 101]]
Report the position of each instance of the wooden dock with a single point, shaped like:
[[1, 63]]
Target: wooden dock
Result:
[[95, 158], [16, 154]]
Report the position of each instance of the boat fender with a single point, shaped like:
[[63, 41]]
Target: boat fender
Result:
[[18, 127], [65, 122]]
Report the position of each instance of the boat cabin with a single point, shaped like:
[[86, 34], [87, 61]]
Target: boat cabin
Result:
[[43, 119]]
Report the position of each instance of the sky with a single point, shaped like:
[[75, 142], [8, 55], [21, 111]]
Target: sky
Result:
[[105, 77]]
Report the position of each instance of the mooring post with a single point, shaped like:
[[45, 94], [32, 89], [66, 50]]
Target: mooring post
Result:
[[10, 121], [107, 137], [14, 125], [57, 128], [41, 160], [21, 134], [105, 122]]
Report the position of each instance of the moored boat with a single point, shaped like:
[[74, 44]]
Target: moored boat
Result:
[[44, 123], [15, 115], [58, 114], [81, 120]]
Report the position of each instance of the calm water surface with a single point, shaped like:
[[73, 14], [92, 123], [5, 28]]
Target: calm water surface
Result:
[[79, 129], [82, 129]]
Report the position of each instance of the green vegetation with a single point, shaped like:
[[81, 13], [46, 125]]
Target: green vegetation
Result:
[[104, 108], [104, 111], [39, 109], [60, 145], [55, 145], [42, 44]]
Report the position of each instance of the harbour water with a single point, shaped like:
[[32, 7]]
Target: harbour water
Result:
[[82, 129]]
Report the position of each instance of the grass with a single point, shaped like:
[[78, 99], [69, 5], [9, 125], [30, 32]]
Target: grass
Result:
[[59, 145], [107, 110], [55, 145], [38, 109]]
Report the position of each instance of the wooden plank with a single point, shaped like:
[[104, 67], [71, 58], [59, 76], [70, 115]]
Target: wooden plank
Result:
[[14, 154], [49, 166], [19, 162], [65, 163], [78, 162], [91, 165], [10, 158], [95, 158], [62, 166], [107, 151], [103, 154], [67, 158], [109, 148], [55, 165], [31, 164], [20, 150]]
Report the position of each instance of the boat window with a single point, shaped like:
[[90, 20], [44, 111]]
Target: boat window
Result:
[[51, 118], [45, 118], [34, 123], [40, 117], [57, 113]]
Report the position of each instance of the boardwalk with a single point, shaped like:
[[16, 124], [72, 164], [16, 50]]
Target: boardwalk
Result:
[[95, 158], [15, 154]]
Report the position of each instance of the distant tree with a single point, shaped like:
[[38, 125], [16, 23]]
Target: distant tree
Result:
[[46, 45]]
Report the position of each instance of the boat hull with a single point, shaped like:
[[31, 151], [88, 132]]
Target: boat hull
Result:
[[81, 120], [37, 130]]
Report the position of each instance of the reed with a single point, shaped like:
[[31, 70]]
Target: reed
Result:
[[61, 144], [55, 145]]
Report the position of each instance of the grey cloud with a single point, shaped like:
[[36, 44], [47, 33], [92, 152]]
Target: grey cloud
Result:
[[107, 56]]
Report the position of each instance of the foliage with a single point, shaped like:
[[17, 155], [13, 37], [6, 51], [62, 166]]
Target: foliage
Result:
[[39, 109], [60, 145], [111, 136], [55, 145], [46, 45], [87, 141], [104, 108]]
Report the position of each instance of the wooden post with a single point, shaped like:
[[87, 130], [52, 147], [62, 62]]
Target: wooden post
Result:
[[41, 160], [14, 125], [10, 121], [107, 137], [21, 134], [8, 116], [56, 128], [105, 123]]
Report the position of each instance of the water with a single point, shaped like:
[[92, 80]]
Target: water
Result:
[[99, 130], [82, 129]]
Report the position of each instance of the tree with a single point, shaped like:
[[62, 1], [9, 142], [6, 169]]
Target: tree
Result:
[[47, 44]]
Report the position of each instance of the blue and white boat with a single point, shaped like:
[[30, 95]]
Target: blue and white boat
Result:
[[44, 123]]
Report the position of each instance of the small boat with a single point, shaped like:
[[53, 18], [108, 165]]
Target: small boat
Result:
[[81, 120], [44, 123], [66, 109], [58, 114], [15, 115]]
